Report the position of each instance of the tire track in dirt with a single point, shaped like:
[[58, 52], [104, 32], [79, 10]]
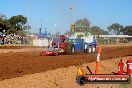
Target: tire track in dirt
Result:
[[21, 63]]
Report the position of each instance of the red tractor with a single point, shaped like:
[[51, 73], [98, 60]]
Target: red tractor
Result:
[[60, 45]]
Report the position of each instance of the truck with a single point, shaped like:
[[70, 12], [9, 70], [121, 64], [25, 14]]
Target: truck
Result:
[[90, 44], [71, 45]]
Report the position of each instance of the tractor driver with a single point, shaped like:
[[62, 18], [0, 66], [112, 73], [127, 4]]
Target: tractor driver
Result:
[[64, 42]]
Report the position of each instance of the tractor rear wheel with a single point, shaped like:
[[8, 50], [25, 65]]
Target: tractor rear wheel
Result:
[[70, 49]]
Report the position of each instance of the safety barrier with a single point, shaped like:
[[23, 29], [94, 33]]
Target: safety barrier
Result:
[[40, 42]]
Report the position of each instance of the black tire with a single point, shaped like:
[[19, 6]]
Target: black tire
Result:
[[81, 80], [85, 48], [89, 50], [93, 49], [70, 49]]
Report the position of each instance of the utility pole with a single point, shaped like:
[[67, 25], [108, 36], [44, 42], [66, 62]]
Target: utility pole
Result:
[[72, 10]]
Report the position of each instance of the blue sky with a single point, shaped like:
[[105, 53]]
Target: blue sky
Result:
[[99, 12]]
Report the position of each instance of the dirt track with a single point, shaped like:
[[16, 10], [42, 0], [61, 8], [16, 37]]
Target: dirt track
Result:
[[15, 64]]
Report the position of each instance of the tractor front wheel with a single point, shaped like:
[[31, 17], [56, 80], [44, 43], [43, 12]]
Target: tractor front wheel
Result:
[[89, 49], [93, 49]]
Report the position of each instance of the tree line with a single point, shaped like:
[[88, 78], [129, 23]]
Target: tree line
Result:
[[114, 28], [18, 25], [15, 24]]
